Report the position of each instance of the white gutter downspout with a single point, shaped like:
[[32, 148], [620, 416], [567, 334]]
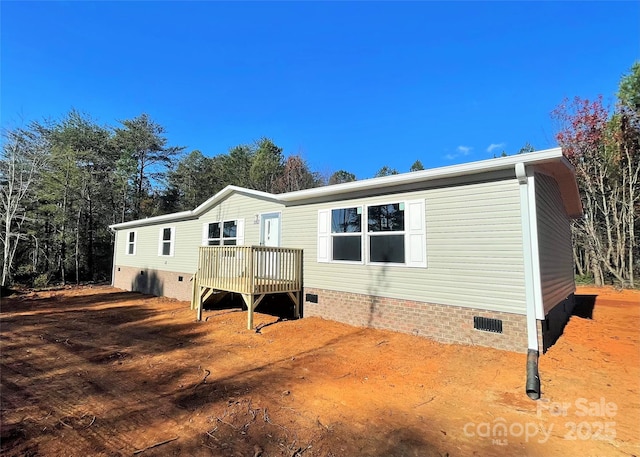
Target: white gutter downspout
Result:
[[529, 242]]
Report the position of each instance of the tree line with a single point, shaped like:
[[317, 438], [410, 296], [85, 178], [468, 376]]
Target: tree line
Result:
[[603, 144], [64, 182]]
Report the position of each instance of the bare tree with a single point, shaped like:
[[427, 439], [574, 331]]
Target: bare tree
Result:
[[608, 170], [23, 155], [295, 176]]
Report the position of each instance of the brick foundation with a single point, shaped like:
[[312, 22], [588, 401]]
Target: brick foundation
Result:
[[153, 282], [443, 323]]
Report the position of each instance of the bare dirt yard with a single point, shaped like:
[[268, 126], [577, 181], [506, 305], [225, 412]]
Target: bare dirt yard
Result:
[[98, 371]]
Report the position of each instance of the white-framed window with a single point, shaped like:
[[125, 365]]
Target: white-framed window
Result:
[[223, 233], [131, 243], [166, 241], [346, 234], [385, 233], [390, 233]]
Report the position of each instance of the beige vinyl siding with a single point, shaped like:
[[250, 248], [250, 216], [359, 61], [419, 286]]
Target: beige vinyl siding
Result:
[[474, 249], [240, 206], [554, 243], [186, 240], [188, 235]]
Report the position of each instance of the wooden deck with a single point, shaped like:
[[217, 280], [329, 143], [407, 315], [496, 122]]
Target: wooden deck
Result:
[[252, 271]]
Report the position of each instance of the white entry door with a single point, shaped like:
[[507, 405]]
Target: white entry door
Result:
[[270, 230], [270, 236]]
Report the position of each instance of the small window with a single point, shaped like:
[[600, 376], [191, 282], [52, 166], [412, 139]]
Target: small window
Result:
[[131, 243], [167, 240], [222, 233], [385, 224], [346, 234]]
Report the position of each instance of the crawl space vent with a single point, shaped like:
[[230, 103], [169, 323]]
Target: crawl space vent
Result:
[[487, 325], [311, 298]]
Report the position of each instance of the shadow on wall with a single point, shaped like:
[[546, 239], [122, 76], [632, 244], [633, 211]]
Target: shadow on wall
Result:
[[575, 305], [377, 283], [148, 282], [584, 306]]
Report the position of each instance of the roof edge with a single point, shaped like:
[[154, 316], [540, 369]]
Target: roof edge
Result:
[[479, 166]]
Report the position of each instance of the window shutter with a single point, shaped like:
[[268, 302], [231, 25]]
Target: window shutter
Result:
[[416, 246], [160, 241], [324, 235], [205, 234], [173, 241], [240, 232]]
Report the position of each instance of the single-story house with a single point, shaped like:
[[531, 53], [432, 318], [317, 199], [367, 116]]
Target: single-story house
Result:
[[477, 253]]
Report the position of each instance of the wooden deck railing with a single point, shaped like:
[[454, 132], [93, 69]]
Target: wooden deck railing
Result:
[[249, 269]]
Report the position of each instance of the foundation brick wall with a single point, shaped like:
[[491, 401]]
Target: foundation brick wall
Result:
[[443, 323], [154, 282]]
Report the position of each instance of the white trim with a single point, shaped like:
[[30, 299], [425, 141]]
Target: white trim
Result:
[[114, 257], [416, 238], [367, 234], [535, 246], [239, 232], [205, 233], [323, 250], [361, 234], [262, 217], [481, 166], [529, 283], [128, 243], [413, 238], [161, 241]]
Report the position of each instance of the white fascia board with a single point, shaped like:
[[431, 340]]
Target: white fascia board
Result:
[[192, 214], [452, 171], [153, 220], [228, 191]]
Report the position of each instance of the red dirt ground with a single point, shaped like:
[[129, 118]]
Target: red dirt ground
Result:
[[99, 371]]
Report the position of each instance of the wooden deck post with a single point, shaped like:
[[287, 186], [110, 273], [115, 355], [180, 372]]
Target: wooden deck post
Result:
[[199, 311], [295, 298], [248, 299]]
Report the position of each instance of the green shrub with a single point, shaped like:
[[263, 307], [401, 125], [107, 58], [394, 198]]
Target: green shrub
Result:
[[41, 281], [584, 280]]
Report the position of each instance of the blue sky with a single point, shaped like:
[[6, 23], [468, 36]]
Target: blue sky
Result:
[[352, 86]]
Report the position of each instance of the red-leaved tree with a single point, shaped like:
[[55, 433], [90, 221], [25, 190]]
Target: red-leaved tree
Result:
[[606, 161]]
